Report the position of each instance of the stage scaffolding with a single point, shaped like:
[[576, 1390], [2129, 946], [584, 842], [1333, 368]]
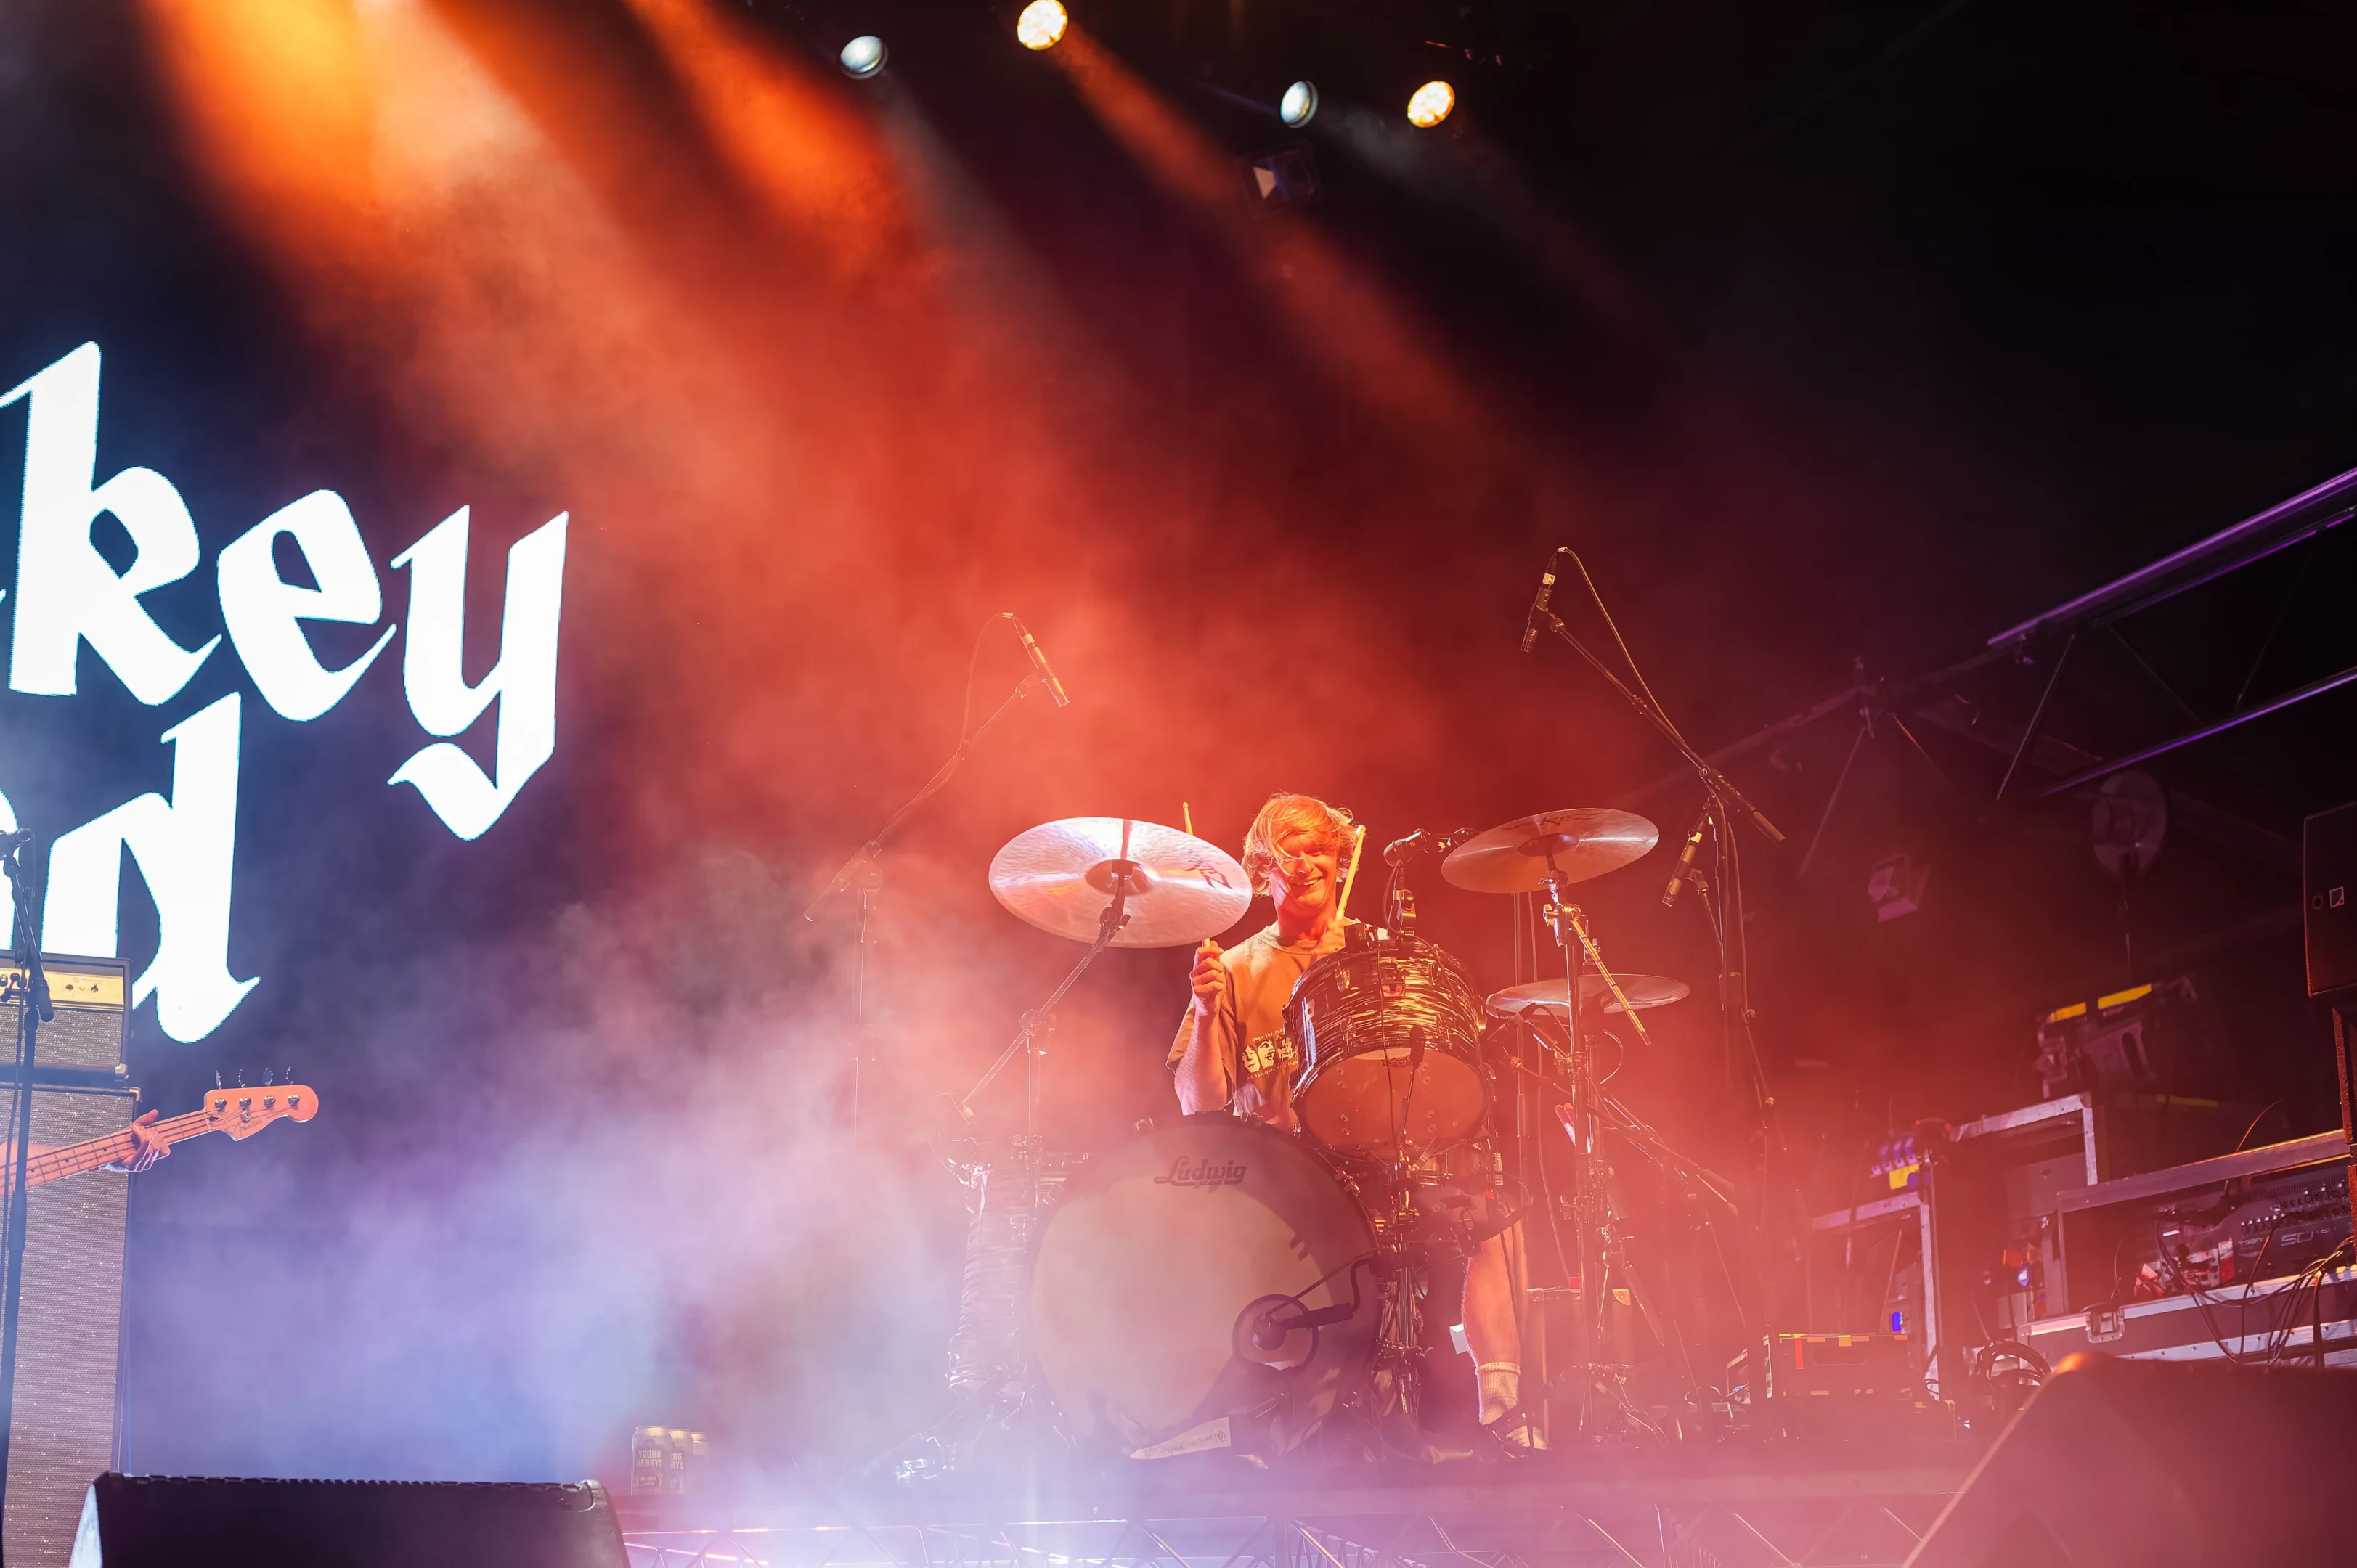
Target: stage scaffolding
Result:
[[1574, 1516]]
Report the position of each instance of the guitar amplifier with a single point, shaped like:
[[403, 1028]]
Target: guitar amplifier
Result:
[[1793, 1370], [65, 1423]]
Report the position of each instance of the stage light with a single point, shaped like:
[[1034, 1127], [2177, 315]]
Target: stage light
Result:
[[1284, 177], [1299, 103], [1428, 106], [1041, 23], [863, 57]]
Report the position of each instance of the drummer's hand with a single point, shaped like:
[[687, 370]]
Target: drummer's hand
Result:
[[1209, 978]]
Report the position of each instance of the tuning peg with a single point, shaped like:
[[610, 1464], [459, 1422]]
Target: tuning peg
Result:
[[269, 1076], [241, 1078], [217, 1082]]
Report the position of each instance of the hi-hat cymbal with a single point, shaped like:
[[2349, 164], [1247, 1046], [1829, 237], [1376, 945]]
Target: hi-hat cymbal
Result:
[[1062, 876], [1585, 842], [1643, 990]]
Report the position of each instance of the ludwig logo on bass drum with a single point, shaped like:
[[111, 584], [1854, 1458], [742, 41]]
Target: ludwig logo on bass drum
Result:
[[1202, 1173]]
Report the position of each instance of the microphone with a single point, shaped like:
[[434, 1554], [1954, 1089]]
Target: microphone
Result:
[[1539, 605], [1039, 663], [1684, 866], [1399, 852]]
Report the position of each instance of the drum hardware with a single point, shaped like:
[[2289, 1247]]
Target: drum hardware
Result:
[[1723, 804], [1598, 1255], [1162, 888], [1177, 890], [1399, 898], [1158, 887], [1174, 1260], [865, 873], [1569, 845], [1267, 1330], [1389, 1032], [1638, 991]]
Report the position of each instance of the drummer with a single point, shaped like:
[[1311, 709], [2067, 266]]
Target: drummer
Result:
[[1232, 1052]]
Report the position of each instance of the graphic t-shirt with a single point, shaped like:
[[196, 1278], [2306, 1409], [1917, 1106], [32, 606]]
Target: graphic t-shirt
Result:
[[1248, 1030]]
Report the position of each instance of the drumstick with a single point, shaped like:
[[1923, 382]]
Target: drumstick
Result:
[[1186, 813], [1357, 843]]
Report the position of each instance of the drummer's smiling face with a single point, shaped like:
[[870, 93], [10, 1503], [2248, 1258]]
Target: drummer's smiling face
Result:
[[1304, 883]]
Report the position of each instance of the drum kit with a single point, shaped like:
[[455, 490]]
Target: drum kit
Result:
[[1215, 1283]]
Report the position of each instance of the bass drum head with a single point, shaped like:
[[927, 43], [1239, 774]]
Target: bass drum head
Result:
[[1165, 1255]]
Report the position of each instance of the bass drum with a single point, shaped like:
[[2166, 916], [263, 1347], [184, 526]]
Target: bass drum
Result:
[[1164, 1280]]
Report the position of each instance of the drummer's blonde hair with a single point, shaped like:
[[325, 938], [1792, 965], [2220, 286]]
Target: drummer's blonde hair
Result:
[[1325, 827]]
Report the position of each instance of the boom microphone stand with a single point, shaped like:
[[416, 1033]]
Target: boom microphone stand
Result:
[[1723, 804], [863, 872], [33, 1010]]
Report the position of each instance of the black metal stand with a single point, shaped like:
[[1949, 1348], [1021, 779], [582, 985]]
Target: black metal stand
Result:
[[1723, 802], [33, 1011], [863, 871], [1041, 1020]]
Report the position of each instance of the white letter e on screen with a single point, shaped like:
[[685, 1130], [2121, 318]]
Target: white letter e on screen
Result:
[[264, 611]]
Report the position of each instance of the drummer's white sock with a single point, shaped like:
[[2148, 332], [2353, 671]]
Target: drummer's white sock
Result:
[[1502, 1387]]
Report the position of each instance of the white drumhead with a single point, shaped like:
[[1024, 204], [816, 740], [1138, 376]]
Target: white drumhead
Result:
[[1145, 1270]]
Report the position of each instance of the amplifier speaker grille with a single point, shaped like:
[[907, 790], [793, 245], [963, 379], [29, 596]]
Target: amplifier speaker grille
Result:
[[69, 1339]]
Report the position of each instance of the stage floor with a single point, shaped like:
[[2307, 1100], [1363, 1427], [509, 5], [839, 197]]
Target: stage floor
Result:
[[1730, 1507]]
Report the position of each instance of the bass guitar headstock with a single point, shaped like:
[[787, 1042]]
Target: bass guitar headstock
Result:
[[242, 1112]]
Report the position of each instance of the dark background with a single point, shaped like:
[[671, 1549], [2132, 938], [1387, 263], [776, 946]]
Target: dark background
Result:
[[1836, 338]]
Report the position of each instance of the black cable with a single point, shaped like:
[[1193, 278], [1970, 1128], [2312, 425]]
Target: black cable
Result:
[[2201, 1302], [2258, 1263], [1609, 625], [2254, 1126]]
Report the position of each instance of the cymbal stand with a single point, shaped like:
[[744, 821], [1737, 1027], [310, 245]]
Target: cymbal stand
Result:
[[1725, 804], [1612, 1115], [863, 874], [1126, 878], [1590, 1229]]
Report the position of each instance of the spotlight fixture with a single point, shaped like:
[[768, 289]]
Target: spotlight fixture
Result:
[[863, 57], [1299, 103], [1427, 106], [1284, 177], [1042, 24]]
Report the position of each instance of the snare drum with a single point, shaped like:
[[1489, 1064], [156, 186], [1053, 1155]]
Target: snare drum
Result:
[[1363, 1018]]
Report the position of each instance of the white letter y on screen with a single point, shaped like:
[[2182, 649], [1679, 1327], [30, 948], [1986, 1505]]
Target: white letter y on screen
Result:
[[525, 679]]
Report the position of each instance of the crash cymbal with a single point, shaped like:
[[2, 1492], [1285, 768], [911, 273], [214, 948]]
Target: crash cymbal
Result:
[[1586, 841], [1063, 876], [1643, 990]]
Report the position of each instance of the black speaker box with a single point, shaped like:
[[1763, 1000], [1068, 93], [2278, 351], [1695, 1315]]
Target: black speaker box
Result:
[[2329, 913], [2120, 1463], [188, 1522]]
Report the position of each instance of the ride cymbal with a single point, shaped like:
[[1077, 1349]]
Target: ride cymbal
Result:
[[1062, 876], [1582, 841], [1643, 990]]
